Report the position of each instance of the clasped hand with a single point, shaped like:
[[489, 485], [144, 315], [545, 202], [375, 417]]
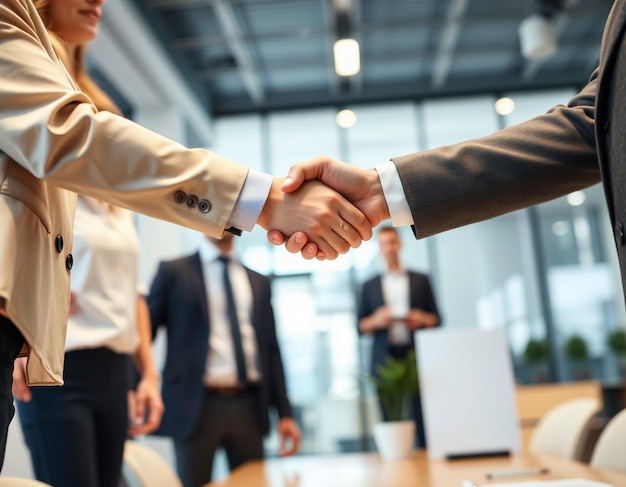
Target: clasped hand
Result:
[[323, 208]]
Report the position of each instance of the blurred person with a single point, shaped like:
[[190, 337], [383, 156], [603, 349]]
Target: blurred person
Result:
[[54, 142], [223, 371], [76, 433], [392, 306]]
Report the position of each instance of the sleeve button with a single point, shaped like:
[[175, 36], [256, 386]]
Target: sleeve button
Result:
[[204, 206], [192, 201], [180, 196]]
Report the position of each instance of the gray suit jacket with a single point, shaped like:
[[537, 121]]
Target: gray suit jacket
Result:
[[568, 148]]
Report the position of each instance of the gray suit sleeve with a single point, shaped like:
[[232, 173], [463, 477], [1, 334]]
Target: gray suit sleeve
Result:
[[526, 164]]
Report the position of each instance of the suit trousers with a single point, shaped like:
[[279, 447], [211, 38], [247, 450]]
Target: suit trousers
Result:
[[11, 342], [227, 420], [76, 432]]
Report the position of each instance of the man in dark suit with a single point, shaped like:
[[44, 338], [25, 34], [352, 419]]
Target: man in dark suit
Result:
[[392, 306], [223, 369]]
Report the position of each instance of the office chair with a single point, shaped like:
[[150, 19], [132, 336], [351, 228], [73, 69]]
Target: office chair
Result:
[[562, 430], [144, 467], [610, 450]]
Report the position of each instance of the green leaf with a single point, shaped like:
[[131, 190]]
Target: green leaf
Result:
[[396, 382]]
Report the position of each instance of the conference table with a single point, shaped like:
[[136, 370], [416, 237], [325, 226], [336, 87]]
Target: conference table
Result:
[[369, 470]]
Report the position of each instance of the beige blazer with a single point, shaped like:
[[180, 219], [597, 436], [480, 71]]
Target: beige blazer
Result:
[[54, 142]]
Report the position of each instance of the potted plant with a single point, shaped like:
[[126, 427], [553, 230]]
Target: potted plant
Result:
[[577, 352], [534, 355], [396, 383], [616, 342]]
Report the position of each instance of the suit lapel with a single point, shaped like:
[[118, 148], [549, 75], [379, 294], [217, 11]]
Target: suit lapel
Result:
[[380, 295], [255, 311], [611, 37], [196, 275]]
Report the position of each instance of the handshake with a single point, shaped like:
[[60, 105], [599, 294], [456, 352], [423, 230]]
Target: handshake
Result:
[[323, 208]]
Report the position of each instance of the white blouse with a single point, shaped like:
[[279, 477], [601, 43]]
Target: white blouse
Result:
[[104, 278]]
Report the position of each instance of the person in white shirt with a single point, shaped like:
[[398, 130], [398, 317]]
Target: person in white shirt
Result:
[[223, 372], [392, 306], [76, 433]]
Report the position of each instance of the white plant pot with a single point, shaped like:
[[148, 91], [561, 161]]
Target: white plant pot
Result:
[[394, 439]]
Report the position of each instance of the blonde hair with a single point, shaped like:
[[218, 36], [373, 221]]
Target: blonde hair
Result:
[[76, 66]]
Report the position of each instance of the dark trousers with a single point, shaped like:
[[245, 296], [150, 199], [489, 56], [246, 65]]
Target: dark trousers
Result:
[[400, 352], [76, 433], [11, 342], [230, 421]]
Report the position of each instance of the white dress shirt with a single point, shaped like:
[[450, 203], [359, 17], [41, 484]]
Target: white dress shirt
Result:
[[394, 194], [104, 278], [396, 295], [221, 367]]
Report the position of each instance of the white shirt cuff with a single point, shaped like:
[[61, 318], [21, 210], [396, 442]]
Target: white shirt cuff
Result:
[[251, 200], [394, 194]]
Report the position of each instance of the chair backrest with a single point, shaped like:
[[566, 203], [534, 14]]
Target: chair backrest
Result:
[[19, 482], [562, 430], [610, 450], [148, 468]]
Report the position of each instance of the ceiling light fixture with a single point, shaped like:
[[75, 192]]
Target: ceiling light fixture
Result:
[[504, 106], [347, 57], [537, 39], [576, 198], [536, 32], [346, 118]]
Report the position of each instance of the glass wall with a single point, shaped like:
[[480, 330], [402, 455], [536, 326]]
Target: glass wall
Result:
[[545, 273]]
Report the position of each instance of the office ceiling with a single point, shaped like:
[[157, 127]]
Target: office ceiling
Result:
[[243, 56]]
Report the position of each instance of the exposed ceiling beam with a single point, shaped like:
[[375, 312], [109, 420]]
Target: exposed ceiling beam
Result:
[[448, 40], [328, 11], [228, 21], [404, 57], [356, 17], [400, 92]]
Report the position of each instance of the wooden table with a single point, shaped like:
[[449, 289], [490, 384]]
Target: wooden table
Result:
[[369, 470]]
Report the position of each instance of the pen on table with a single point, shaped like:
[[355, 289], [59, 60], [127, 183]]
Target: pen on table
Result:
[[516, 473]]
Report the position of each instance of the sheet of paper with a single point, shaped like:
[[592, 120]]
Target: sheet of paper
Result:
[[552, 483], [468, 391]]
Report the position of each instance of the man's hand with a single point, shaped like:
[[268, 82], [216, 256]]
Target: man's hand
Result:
[[380, 319], [361, 187], [289, 436], [20, 388], [145, 407], [321, 214]]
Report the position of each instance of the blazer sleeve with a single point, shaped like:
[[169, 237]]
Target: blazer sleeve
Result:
[[53, 131], [529, 163]]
